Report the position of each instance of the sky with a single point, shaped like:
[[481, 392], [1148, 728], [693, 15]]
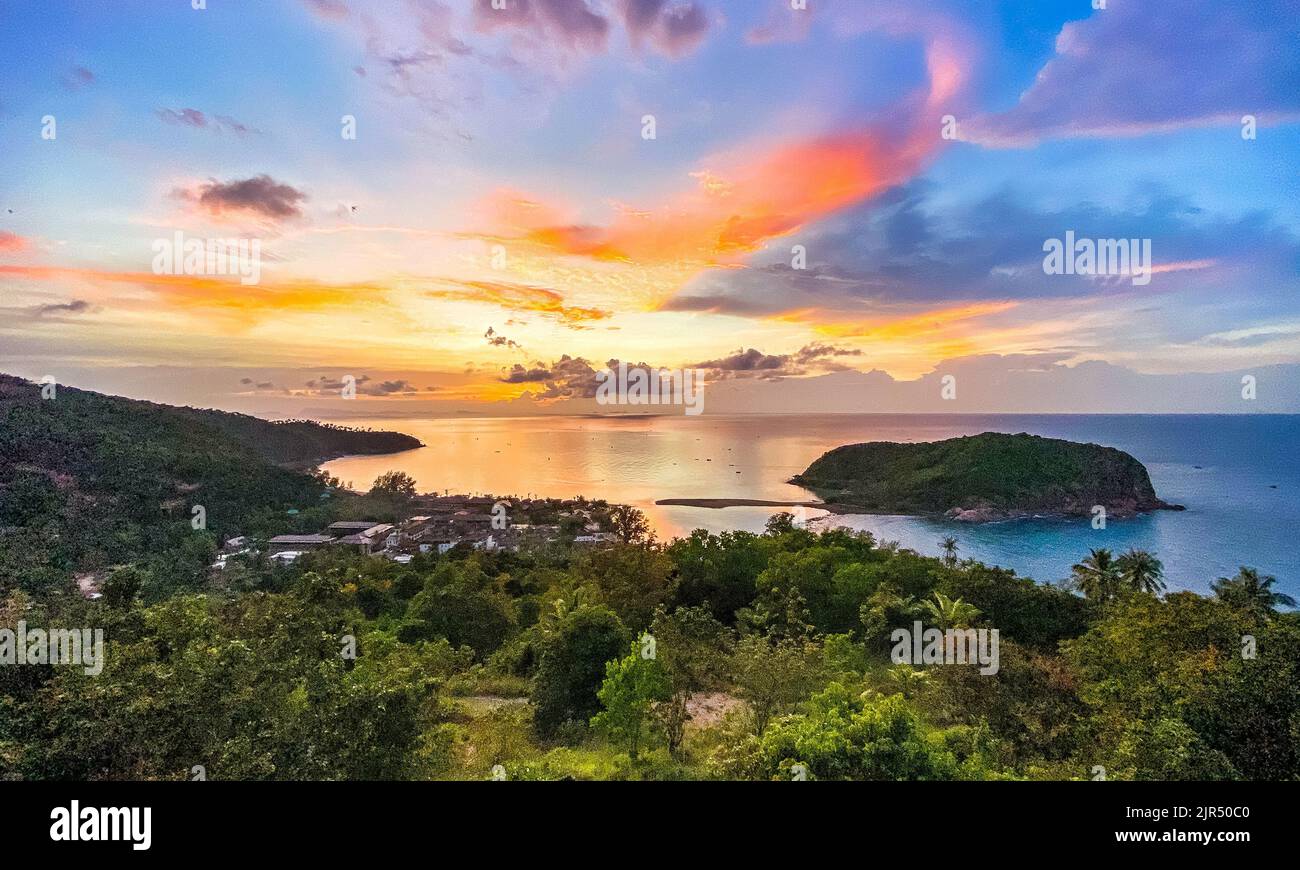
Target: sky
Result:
[[469, 208]]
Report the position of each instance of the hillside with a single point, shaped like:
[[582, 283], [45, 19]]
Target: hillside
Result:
[[88, 480], [983, 477]]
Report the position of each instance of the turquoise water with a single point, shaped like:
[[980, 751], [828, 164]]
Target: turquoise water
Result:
[[1239, 477]]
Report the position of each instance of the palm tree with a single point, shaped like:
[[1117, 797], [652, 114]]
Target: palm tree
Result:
[[1141, 571], [1249, 591], [949, 547], [1097, 576], [949, 613]]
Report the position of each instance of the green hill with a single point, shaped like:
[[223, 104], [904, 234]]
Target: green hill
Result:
[[89, 481], [983, 477]]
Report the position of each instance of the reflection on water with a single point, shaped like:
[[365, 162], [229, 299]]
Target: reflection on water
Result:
[[1242, 499]]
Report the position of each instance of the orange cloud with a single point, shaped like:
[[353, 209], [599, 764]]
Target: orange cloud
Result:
[[519, 297], [735, 209], [910, 326], [743, 200], [210, 292], [11, 243]]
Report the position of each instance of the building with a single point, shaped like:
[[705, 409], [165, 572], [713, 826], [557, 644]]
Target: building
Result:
[[360, 543], [343, 528], [596, 539], [297, 543]]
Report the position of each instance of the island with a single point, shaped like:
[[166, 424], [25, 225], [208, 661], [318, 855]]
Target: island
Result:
[[983, 478]]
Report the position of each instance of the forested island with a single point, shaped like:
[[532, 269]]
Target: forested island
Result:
[[716, 656], [977, 478]]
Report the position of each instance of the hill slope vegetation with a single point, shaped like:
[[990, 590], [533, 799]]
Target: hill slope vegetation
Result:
[[88, 480]]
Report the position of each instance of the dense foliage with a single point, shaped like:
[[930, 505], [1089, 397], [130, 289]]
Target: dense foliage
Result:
[[531, 665]]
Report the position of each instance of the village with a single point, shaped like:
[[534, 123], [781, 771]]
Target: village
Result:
[[437, 523]]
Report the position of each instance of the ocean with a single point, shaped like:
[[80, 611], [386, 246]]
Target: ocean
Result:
[[1238, 476]]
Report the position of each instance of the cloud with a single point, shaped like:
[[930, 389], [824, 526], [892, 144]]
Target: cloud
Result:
[[742, 199], [195, 118], [77, 78], [497, 340], [1136, 68], [329, 385], [571, 22], [753, 363], [520, 374], [11, 243], [260, 196], [717, 303], [745, 361], [388, 388], [54, 312], [328, 9], [735, 209], [519, 297], [566, 378], [75, 306], [822, 353], [213, 295], [905, 253], [1037, 383], [671, 28], [783, 24]]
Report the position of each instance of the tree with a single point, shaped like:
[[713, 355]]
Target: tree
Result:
[[1250, 592], [632, 685], [1097, 576], [122, 586], [1036, 614], [948, 612], [884, 610], [692, 647], [1141, 571], [774, 676], [463, 612], [572, 667], [718, 571], [844, 736], [394, 483], [633, 581], [630, 524], [949, 547], [1150, 661], [780, 523], [908, 680]]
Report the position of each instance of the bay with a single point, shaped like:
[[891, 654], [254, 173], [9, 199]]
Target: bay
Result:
[[1238, 476]]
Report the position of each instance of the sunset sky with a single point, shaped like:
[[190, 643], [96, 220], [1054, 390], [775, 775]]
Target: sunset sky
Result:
[[500, 224]]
